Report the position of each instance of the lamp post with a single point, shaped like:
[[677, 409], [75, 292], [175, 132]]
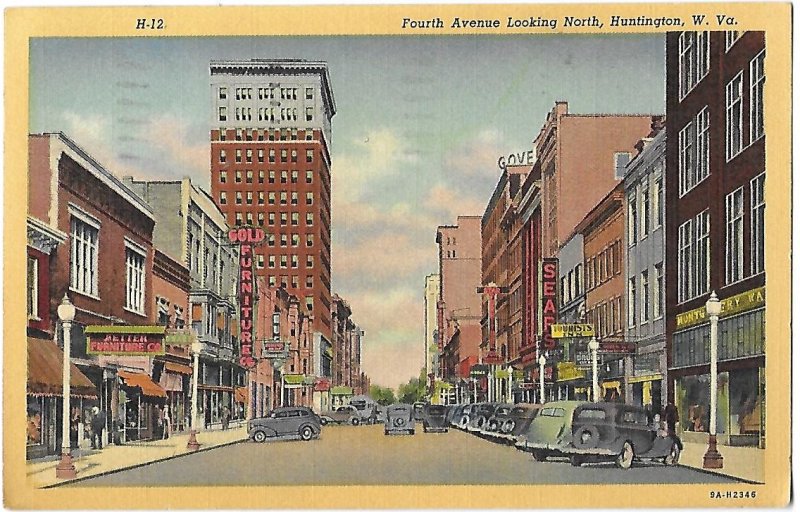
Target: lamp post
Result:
[[277, 363], [192, 444], [65, 467], [542, 361], [712, 458], [593, 347]]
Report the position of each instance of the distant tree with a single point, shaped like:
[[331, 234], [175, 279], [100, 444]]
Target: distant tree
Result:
[[384, 396], [413, 391]]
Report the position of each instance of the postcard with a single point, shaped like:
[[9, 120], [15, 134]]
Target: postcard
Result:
[[398, 256]]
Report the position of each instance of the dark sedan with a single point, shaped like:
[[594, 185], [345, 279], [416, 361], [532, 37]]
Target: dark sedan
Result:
[[517, 422], [291, 422], [434, 418]]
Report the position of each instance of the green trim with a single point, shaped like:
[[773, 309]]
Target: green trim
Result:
[[294, 379], [125, 329]]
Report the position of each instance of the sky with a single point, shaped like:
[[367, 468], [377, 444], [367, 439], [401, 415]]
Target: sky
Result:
[[421, 122]]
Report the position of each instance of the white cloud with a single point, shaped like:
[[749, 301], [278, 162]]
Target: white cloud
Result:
[[171, 135], [477, 156]]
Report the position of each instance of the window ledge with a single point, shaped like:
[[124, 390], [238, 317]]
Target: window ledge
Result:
[[84, 294], [137, 313]]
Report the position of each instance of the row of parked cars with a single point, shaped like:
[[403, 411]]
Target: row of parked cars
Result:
[[580, 431]]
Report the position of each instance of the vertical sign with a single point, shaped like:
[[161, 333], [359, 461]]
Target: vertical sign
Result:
[[549, 301], [246, 238]]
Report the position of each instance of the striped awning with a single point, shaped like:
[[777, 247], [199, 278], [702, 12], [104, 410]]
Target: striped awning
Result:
[[45, 367], [143, 382], [177, 368], [240, 395]]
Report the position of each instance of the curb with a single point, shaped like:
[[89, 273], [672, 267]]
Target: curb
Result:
[[142, 464], [732, 477]]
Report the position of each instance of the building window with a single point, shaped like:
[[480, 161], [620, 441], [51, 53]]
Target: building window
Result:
[[309, 113], [757, 80], [684, 260], [83, 256], [309, 198], [284, 155], [310, 240], [693, 60], [284, 219], [295, 240], [271, 178], [295, 281], [284, 197], [238, 220], [309, 281], [238, 198], [658, 292], [702, 276], [223, 93], [271, 240], [271, 218], [645, 217], [294, 155], [309, 176], [294, 176], [222, 156], [309, 261], [249, 156], [223, 114], [632, 302], [295, 218], [685, 159], [260, 218], [309, 155], [271, 157], [658, 203], [223, 197], [249, 197], [238, 156], [645, 297], [733, 117], [223, 176], [734, 246], [260, 197], [295, 261], [271, 261], [223, 133], [271, 197], [731, 36], [33, 288], [284, 240], [284, 176], [309, 93], [309, 219], [238, 134], [309, 303], [621, 160], [259, 261], [284, 261], [293, 199], [702, 123], [261, 176], [633, 222], [272, 280], [757, 206], [134, 282], [260, 156], [564, 299]]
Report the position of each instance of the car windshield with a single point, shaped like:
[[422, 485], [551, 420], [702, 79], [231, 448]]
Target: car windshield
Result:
[[436, 411], [519, 411], [592, 414], [552, 411], [359, 405]]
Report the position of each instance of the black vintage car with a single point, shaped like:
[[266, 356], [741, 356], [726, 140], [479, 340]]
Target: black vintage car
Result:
[[480, 416], [293, 422], [399, 419], [517, 422], [434, 418], [618, 432]]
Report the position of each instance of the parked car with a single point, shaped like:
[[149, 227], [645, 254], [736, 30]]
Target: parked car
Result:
[[434, 418], [452, 412], [550, 431], [492, 425], [418, 410], [380, 414], [622, 433], [480, 416], [457, 418], [367, 410], [293, 422], [517, 422], [341, 414], [399, 418]]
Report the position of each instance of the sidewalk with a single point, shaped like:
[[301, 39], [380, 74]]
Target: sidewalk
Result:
[[89, 463], [744, 462]]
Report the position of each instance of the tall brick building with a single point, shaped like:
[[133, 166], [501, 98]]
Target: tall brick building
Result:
[[270, 168]]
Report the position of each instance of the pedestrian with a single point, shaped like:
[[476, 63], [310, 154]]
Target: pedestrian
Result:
[[226, 418], [74, 422], [166, 424], [671, 419], [158, 423], [98, 423]]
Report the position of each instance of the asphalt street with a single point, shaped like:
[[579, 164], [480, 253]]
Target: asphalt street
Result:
[[364, 456]]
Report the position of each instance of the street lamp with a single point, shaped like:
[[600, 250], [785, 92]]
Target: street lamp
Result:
[[277, 363], [542, 361], [65, 467], [192, 444], [593, 347], [712, 458]]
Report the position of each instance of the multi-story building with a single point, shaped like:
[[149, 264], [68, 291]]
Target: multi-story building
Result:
[[270, 167], [430, 348], [646, 370], [346, 350], [603, 229], [105, 267], [571, 374], [714, 229], [459, 309], [192, 231], [501, 258], [582, 157]]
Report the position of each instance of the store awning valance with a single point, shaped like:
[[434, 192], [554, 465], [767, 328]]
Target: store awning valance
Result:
[[294, 380], [240, 395], [177, 368], [341, 390], [143, 382], [45, 366]]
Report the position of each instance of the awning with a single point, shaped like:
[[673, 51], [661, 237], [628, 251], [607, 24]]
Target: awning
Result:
[[45, 367], [240, 395], [341, 390], [143, 382], [294, 380], [214, 387], [177, 368], [322, 385], [643, 378], [611, 385]]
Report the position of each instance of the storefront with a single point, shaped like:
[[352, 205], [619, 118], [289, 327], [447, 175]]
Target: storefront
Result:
[[176, 381], [143, 401], [212, 403], [341, 395], [45, 399], [569, 377], [741, 375]]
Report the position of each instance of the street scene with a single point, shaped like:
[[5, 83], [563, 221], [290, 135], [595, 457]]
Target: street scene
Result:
[[357, 259]]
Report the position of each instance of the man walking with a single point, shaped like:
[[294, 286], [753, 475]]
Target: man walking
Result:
[[98, 424]]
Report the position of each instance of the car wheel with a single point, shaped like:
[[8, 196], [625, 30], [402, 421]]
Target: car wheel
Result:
[[259, 436], [539, 456], [576, 460], [586, 437], [354, 421], [674, 455], [464, 421], [508, 426], [424, 429], [323, 421], [411, 432], [625, 458], [306, 433]]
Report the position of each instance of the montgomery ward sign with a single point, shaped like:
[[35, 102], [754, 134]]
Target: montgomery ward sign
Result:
[[116, 340], [246, 238], [733, 305]]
